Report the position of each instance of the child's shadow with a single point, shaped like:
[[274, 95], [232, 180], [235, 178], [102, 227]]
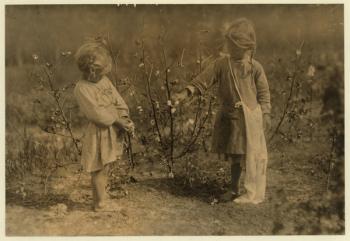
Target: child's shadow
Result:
[[205, 192]]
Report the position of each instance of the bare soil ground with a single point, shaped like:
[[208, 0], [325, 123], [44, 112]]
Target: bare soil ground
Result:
[[155, 205]]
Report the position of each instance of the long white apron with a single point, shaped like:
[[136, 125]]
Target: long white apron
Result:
[[256, 153], [256, 157]]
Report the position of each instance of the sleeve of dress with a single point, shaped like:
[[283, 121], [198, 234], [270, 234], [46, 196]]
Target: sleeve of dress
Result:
[[100, 115], [262, 87], [205, 80]]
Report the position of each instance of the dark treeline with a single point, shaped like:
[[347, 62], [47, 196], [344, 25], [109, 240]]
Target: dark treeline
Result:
[[48, 29]]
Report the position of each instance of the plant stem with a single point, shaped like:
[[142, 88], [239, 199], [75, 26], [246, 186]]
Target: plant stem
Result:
[[195, 136], [131, 158], [67, 123], [291, 90], [154, 111], [169, 110]]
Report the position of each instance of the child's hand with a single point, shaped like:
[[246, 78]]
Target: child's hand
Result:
[[267, 122], [181, 96], [130, 127], [126, 124]]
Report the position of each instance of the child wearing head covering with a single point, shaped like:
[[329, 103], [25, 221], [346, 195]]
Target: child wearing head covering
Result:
[[108, 117], [244, 100]]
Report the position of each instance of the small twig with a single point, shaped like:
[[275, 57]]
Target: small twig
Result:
[[182, 56], [131, 157]]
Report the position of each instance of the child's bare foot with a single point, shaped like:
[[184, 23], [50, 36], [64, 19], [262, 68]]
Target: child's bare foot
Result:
[[246, 199], [106, 206]]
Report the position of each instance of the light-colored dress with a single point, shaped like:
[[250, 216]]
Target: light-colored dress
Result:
[[103, 106]]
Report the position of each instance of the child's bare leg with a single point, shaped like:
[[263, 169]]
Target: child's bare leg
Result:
[[236, 171], [99, 182], [94, 191]]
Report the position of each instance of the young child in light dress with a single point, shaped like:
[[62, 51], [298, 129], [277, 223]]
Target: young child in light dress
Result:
[[108, 117]]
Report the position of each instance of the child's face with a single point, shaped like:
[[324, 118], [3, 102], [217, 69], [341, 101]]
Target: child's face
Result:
[[96, 69], [234, 50], [95, 74]]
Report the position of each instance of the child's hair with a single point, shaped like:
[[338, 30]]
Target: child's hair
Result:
[[87, 54], [241, 32]]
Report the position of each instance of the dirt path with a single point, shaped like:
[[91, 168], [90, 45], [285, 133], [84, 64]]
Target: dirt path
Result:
[[151, 206]]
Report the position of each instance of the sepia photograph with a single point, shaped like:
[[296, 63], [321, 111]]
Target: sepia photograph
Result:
[[174, 120]]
